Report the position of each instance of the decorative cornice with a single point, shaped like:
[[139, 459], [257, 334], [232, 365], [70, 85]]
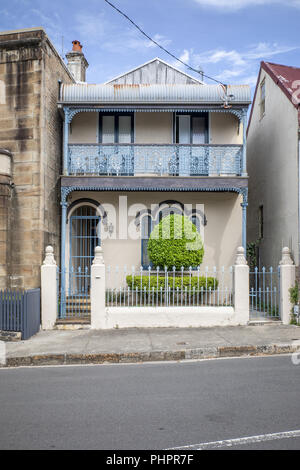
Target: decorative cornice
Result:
[[66, 190], [244, 193]]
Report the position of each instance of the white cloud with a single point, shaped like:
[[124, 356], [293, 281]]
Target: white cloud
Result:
[[162, 40], [233, 66], [233, 5]]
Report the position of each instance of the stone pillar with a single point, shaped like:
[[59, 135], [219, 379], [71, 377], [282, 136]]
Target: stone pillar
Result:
[[49, 290], [287, 280], [241, 288], [6, 192], [98, 320]]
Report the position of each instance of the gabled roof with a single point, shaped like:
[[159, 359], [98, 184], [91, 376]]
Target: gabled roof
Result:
[[154, 72], [284, 77]]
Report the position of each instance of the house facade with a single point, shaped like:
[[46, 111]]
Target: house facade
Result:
[[148, 143], [273, 164], [85, 165]]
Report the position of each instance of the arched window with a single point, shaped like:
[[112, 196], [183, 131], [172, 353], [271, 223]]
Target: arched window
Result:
[[168, 208]]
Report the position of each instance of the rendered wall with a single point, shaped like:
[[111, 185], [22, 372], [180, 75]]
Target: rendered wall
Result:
[[157, 128], [222, 234], [272, 150]]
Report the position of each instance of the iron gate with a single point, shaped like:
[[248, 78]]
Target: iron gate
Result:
[[84, 237], [265, 294]]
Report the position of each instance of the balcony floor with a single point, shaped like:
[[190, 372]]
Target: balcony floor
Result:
[[155, 183]]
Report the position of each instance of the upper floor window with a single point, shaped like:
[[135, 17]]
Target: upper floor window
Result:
[[116, 128], [192, 128], [263, 98]]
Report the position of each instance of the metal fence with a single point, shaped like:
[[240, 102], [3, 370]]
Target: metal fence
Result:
[[154, 159], [20, 311], [265, 293], [73, 289], [165, 288]]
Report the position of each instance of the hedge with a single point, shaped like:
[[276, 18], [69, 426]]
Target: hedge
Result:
[[135, 282]]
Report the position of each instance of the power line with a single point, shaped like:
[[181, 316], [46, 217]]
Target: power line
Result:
[[161, 47]]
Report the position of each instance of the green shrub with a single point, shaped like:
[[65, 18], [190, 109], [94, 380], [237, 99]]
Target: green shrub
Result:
[[173, 282], [175, 241], [294, 298]]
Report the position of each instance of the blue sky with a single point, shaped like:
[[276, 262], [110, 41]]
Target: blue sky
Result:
[[226, 38]]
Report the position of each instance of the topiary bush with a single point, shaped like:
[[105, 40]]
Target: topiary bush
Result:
[[175, 241]]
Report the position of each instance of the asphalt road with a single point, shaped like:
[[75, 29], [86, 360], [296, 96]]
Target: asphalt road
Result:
[[150, 406]]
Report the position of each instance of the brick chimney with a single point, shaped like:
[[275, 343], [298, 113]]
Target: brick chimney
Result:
[[77, 63]]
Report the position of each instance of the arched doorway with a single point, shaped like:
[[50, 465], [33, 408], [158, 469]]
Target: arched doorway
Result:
[[84, 237]]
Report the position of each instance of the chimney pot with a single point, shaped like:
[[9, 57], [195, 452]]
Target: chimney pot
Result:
[[77, 47]]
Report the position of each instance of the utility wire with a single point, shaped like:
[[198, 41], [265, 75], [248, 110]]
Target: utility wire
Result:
[[163, 48]]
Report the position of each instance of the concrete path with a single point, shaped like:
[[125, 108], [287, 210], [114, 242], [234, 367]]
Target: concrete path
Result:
[[144, 345]]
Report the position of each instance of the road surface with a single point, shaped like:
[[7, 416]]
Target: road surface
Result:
[[152, 406]]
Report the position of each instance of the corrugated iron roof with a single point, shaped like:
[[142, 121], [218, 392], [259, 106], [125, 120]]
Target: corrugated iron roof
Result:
[[285, 77], [179, 94]]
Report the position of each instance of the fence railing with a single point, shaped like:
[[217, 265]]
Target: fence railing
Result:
[[156, 288], [168, 159], [20, 311], [264, 293]]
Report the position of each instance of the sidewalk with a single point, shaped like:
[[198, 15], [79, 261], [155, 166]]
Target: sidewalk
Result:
[[144, 345]]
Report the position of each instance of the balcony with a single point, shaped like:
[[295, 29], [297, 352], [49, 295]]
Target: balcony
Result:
[[154, 160]]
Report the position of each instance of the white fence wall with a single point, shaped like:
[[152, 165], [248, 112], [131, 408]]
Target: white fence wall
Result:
[[225, 304]]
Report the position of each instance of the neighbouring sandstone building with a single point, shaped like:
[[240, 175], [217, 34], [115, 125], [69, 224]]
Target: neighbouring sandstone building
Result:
[[31, 71]]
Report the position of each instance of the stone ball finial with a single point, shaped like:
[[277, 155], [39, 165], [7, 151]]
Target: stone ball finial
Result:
[[240, 256], [49, 258], [286, 257], [98, 259]]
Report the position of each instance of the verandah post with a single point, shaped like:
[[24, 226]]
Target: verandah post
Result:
[[49, 290], [241, 288], [287, 280], [97, 292]]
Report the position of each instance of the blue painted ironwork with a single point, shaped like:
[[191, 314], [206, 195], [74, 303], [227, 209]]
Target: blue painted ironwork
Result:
[[64, 206], [171, 160], [73, 110], [67, 120], [244, 205], [76, 281], [244, 157]]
